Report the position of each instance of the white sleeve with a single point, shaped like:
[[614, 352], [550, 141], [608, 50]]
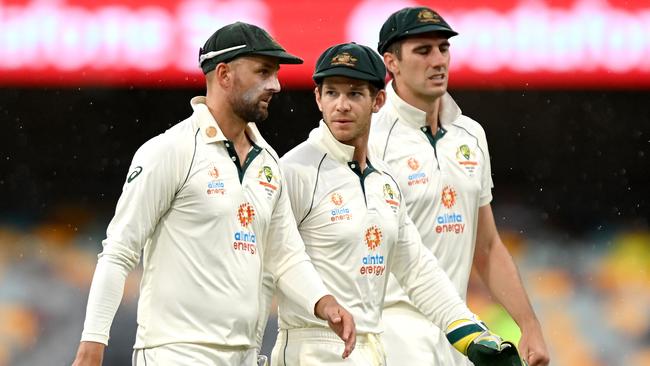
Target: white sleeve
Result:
[[486, 173], [154, 177], [287, 260], [426, 284]]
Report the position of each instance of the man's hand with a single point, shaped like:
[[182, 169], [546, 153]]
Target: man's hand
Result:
[[89, 354], [484, 348], [532, 346], [489, 350], [339, 319]]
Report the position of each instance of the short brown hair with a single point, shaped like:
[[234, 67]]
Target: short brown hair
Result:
[[396, 49]]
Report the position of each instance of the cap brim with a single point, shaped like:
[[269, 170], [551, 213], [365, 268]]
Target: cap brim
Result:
[[428, 29], [346, 72], [282, 56]]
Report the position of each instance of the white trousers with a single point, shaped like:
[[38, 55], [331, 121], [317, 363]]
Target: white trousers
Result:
[[412, 339], [321, 346], [176, 354]]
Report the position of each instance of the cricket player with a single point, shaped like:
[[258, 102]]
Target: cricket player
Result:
[[441, 161], [351, 216], [207, 205]]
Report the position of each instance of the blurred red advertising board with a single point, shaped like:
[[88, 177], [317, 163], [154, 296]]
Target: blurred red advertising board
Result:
[[570, 44]]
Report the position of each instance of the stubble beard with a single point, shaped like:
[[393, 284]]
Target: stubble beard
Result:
[[246, 106]]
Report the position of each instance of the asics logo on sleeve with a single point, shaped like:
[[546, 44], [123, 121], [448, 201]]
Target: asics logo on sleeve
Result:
[[134, 174]]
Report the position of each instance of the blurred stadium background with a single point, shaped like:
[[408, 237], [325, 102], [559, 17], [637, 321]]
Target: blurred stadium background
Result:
[[561, 87]]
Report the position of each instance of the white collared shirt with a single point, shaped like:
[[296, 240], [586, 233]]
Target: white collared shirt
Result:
[[356, 232], [445, 178], [206, 227]]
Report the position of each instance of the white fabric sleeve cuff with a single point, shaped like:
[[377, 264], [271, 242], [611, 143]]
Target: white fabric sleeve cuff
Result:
[[302, 285], [104, 299]]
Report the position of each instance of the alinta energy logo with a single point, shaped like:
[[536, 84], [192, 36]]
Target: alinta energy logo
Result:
[[449, 222], [245, 241], [339, 213], [419, 177], [373, 263], [215, 185], [448, 196]]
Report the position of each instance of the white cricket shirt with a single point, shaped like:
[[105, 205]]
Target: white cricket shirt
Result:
[[205, 226], [356, 232], [445, 177]]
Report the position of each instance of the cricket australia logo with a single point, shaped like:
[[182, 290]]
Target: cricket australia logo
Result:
[[373, 264], [467, 159], [390, 196], [245, 214], [345, 59], [268, 180], [428, 16]]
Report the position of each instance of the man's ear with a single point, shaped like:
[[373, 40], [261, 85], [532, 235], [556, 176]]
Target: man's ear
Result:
[[380, 100], [223, 74], [391, 62], [317, 95]]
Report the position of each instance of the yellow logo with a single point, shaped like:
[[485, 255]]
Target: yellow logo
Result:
[[428, 16], [344, 59]]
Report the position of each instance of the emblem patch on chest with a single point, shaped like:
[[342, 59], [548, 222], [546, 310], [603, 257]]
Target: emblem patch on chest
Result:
[[373, 262], [339, 212], [449, 222], [418, 176], [391, 197], [216, 185], [268, 180], [467, 159], [245, 240]]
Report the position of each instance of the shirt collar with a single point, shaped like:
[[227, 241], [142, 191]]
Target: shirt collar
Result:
[[449, 110], [210, 131], [323, 138]]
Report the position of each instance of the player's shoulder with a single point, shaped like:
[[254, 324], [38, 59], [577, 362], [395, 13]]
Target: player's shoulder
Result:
[[178, 139], [304, 153], [469, 126], [383, 119]]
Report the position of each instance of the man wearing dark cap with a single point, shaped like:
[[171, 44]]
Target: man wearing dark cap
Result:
[[441, 161], [351, 216], [206, 204]]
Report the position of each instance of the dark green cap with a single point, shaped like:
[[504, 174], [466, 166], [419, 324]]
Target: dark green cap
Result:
[[241, 39], [409, 22], [351, 60]]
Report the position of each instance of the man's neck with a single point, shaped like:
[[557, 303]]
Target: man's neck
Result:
[[232, 126], [361, 152], [429, 105]]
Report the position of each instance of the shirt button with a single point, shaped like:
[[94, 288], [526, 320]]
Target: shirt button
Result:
[[353, 166], [211, 131], [233, 158], [227, 144]]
